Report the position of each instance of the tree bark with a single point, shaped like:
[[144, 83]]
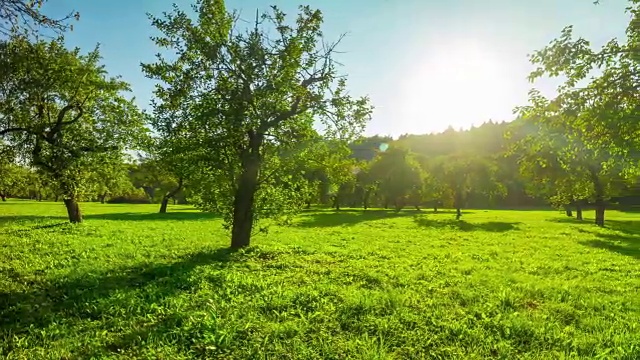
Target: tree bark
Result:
[[458, 204], [600, 209], [73, 210], [169, 195], [102, 197], [568, 212], [365, 200], [244, 197], [435, 208], [4, 197], [600, 201], [399, 204], [578, 212]]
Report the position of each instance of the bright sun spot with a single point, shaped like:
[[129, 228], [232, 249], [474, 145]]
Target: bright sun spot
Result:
[[457, 83]]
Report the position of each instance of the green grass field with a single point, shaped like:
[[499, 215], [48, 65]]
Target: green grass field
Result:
[[129, 283]]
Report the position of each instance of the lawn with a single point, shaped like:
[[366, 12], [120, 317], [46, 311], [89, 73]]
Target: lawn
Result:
[[129, 283]]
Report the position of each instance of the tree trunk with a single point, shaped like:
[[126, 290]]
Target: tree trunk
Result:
[[399, 204], [600, 209], [169, 195], [175, 201], [73, 210], [578, 212], [56, 198], [435, 208], [336, 202], [102, 197], [600, 202], [244, 197], [163, 205], [308, 204], [458, 204], [568, 212], [365, 200], [4, 197], [418, 207]]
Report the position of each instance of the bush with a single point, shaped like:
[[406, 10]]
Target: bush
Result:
[[138, 196]]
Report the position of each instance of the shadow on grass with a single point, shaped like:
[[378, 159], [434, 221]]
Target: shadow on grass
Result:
[[347, 217], [461, 225], [177, 215], [22, 219], [627, 227], [622, 242], [94, 297]]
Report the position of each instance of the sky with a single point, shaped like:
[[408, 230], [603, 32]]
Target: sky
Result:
[[425, 64]]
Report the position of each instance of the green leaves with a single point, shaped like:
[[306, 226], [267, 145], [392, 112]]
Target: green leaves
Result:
[[233, 100], [60, 111]]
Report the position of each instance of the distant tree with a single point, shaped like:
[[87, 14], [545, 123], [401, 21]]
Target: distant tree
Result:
[[151, 175], [110, 178], [61, 113], [399, 176], [25, 16], [460, 174], [252, 98]]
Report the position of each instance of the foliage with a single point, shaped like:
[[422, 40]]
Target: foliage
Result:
[[398, 176], [136, 284], [26, 17], [61, 113], [250, 100], [110, 178]]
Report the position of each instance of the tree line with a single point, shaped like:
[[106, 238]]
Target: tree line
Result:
[[256, 121]]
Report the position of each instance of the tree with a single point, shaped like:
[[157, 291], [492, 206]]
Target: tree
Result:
[[398, 175], [61, 113], [460, 174], [557, 178], [150, 175], [110, 177], [25, 16], [252, 97], [601, 110], [581, 168]]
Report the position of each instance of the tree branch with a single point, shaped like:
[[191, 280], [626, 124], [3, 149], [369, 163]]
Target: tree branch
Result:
[[15, 129]]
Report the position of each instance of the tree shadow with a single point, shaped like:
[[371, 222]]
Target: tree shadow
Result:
[[570, 220], [177, 215], [462, 225], [347, 217], [90, 296], [624, 226], [20, 219], [623, 242], [40, 227]]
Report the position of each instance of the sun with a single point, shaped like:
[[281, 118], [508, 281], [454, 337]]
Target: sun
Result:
[[456, 83]]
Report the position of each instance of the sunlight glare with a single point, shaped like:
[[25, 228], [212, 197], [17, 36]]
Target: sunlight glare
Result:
[[456, 83]]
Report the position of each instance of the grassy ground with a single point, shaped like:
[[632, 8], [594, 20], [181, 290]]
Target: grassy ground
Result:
[[377, 285]]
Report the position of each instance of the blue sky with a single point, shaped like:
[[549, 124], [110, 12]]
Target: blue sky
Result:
[[425, 64]]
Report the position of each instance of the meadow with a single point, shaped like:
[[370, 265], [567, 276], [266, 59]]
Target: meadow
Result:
[[131, 283]]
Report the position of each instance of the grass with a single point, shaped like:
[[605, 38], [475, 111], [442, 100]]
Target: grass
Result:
[[129, 283]]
